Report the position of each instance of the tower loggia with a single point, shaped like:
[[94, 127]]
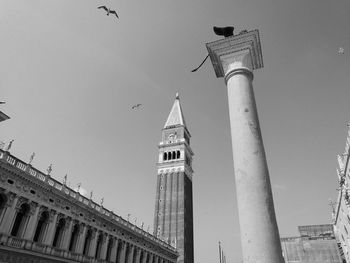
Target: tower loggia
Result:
[[173, 218]]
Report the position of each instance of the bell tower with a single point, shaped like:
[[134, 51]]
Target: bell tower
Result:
[[173, 217]]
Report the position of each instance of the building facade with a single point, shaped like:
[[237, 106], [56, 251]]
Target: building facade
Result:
[[173, 218], [316, 244], [43, 220], [341, 209]]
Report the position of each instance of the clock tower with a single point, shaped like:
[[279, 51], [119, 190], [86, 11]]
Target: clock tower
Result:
[[173, 217]]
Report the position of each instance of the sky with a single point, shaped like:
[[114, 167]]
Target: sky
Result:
[[70, 74]]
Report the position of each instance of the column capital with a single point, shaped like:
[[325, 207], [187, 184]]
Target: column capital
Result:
[[239, 52]]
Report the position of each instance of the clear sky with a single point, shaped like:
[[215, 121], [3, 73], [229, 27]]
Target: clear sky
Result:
[[69, 75]]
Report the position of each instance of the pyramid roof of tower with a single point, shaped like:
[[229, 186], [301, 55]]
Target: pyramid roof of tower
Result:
[[175, 117]]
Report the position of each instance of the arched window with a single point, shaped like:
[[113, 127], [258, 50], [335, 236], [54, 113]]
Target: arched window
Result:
[[87, 242], [169, 155], [74, 238], [165, 156], [174, 155], [40, 227], [119, 252], [59, 232], [109, 249], [178, 154], [21, 218], [98, 246]]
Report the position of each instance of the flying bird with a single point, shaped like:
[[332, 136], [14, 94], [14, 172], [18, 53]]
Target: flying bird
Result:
[[224, 31], [341, 50], [109, 11], [136, 106]]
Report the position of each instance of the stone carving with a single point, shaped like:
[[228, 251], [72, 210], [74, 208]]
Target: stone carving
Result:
[[9, 146], [31, 158], [10, 199], [33, 207], [52, 214], [49, 169], [20, 202]]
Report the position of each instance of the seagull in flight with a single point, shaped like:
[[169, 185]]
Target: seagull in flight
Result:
[[136, 106], [109, 11]]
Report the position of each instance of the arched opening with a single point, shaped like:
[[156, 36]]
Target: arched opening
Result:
[[169, 155], [165, 156], [59, 232], [109, 249], [20, 220], [87, 242], [174, 155], [119, 252], [74, 238], [40, 227], [98, 246], [178, 154]]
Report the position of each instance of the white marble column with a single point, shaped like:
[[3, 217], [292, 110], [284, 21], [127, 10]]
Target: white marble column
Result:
[[235, 58], [138, 254]]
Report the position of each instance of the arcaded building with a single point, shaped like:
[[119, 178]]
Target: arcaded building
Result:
[[341, 210], [43, 220], [316, 244]]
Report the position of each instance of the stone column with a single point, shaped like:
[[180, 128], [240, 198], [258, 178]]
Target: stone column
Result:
[[122, 257], [92, 248], [114, 251], [104, 245], [235, 58], [150, 259], [67, 233], [81, 238], [131, 254], [9, 213], [144, 257], [33, 220], [138, 254], [50, 231]]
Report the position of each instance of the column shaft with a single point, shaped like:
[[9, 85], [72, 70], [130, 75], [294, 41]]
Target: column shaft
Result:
[[9, 214], [259, 232], [50, 231], [81, 239], [31, 226], [104, 247], [67, 235], [114, 251]]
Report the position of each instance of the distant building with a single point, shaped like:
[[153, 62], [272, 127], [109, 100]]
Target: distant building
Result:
[[341, 209], [316, 244], [173, 217]]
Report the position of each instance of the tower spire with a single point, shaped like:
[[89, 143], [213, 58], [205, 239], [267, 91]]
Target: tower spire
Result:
[[175, 117]]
